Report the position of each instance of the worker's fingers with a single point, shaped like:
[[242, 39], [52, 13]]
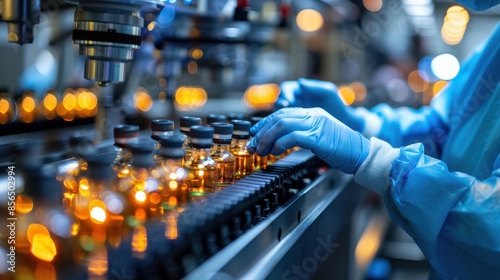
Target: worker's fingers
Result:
[[271, 118], [279, 126], [293, 139]]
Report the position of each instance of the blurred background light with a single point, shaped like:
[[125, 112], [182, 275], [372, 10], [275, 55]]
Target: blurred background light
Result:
[[445, 66], [190, 98], [142, 100], [438, 86], [347, 94], [454, 25], [43, 247], [261, 97], [359, 91], [166, 16], [418, 81], [309, 20]]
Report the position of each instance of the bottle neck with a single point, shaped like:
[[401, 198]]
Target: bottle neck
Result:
[[201, 151], [187, 142], [221, 146], [240, 143]]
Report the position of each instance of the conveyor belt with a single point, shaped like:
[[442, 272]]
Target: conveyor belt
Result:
[[207, 227]]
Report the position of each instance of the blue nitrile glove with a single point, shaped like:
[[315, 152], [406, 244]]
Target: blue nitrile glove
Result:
[[312, 93], [314, 129]]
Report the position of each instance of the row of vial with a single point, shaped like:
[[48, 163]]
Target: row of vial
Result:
[[156, 179], [215, 155]]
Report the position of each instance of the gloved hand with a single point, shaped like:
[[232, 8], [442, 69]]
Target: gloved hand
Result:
[[312, 93], [314, 129]]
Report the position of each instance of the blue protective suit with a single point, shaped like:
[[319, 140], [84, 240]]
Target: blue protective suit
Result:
[[451, 206]]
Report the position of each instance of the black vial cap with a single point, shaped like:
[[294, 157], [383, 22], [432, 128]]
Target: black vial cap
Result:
[[222, 128], [241, 129], [213, 118], [201, 136], [222, 132], [125, 134], [235, 116], [241, 125], [171, 146], [99, 165], [126, 131], [187, 122], [162, 125]]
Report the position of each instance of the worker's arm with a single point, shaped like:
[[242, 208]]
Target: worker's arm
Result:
[[453, 217]]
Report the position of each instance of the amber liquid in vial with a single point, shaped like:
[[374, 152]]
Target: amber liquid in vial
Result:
[[226, 163], [225, 173], [202, 180], [188, 150], [260, 162], [244, 165]]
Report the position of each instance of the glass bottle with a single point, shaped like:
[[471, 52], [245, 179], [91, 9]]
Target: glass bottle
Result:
[[98, 215], [142, 187], [124, 135], [244, 159], [259, 162], [185, 126], [160, 128], [80, 146], [171, 164], [99, 207], [221, 153], [174, 190], [201, 166], [213, 118]]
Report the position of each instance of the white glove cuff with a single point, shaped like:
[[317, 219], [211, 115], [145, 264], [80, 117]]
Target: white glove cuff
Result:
[[373, 124], [374, 172]]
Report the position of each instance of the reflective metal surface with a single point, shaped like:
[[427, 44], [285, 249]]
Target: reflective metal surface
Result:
[[113, 28], [292, 234], [21, 17]]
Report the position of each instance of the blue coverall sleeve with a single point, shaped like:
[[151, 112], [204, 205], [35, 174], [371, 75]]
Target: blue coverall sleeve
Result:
[[455, 218], [403, 126], [452, 216]]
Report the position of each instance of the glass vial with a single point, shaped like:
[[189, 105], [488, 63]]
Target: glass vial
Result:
[[259, 162], [80, 146], [99, 207], [221, 153], [244, 159], [144, 184], [200, 165], [124, 135], [160, 128], [185, 127], [174, 190]]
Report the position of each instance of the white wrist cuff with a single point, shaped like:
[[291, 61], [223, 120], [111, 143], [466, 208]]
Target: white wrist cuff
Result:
[[373, 124], [374, 172]]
